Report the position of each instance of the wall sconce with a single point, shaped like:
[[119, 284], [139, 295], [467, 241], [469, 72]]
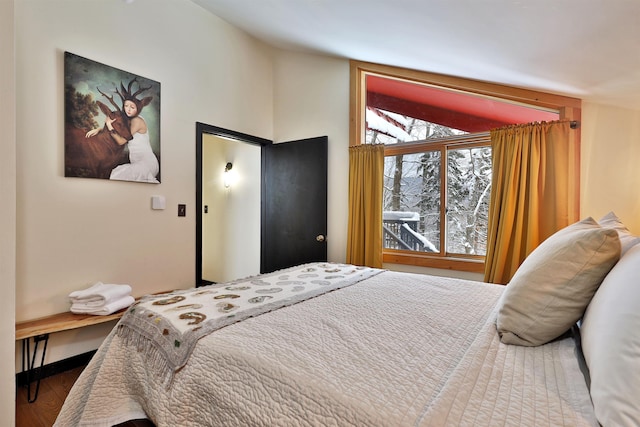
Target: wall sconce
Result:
[[227, 174]]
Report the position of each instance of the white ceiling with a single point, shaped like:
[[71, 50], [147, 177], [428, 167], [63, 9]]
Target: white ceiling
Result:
[[588, 49]]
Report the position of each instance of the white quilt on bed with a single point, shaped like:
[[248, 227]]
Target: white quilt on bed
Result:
[[168, 326], [394, 350]]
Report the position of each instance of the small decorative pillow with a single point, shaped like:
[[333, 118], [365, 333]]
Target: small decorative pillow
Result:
[[627, 239], [611, 344], [551, 289]]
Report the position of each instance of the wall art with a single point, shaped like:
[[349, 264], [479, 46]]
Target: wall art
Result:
[[112, 122]]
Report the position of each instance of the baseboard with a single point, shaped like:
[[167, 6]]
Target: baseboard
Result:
[[56, 367]]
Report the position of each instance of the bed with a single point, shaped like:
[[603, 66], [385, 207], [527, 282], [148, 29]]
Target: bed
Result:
[[341, 345]]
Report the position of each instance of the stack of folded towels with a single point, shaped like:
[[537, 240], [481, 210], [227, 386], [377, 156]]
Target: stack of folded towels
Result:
[[101, 299]]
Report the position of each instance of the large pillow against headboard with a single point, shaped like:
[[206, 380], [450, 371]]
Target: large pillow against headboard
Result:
[[610, 333], [627, 240], [552, 287]]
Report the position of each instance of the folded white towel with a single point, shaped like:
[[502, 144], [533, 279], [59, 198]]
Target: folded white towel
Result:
[[100, 294], [103, 310]]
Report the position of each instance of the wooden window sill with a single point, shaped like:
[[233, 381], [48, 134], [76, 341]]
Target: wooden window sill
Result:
[[472, 265]]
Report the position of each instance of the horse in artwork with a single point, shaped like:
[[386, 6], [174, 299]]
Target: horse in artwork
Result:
[[97, 155]]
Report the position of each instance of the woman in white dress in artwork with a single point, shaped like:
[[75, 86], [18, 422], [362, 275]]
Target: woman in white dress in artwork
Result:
[[143, 164]]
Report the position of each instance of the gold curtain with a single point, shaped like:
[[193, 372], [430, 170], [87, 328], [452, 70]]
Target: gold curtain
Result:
[[366, 172], [535, 192]]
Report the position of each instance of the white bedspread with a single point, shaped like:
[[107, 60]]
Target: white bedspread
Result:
[[394, 350], [168, 326]]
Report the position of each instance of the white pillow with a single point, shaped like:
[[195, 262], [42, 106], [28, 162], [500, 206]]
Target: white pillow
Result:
[[610, 334], [552, 287], [627, 239]]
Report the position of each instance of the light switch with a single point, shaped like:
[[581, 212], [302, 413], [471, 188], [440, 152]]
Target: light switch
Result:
[[158, 202]]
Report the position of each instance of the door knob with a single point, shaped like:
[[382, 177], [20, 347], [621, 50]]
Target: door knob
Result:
[[320, 237]]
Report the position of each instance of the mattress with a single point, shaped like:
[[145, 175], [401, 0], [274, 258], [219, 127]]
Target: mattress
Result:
[[396, 349]]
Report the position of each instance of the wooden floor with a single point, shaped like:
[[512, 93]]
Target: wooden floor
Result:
[[53, 391]]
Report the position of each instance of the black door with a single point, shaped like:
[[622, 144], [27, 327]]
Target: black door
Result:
[[294, 203]]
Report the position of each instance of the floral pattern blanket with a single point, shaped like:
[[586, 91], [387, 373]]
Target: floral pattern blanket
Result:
[[167, 326]]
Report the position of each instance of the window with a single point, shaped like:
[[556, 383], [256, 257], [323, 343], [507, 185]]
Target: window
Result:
[[413, 209], [437, 179]]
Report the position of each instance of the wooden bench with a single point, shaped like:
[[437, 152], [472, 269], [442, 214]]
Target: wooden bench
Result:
[[39, 330]]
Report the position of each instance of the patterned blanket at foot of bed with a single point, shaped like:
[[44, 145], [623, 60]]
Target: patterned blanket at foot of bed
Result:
[[167, 326]]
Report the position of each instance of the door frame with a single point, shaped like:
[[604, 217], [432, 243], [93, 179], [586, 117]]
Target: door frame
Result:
[[201, 130]]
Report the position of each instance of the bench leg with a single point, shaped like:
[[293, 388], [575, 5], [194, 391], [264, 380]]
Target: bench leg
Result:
[[30, 359]]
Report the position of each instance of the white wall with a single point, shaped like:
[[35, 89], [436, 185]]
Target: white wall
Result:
[[231, 228], [7, 211], [312, 99], [213, 195], [610, 163], [72, 231]]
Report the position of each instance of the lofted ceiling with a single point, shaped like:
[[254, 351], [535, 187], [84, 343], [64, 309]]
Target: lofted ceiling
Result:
[[587, 49]]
